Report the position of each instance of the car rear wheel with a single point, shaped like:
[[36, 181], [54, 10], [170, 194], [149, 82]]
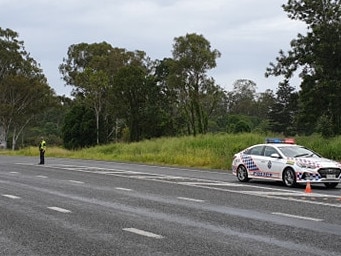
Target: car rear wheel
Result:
[[242, 174], [331, 184], [289, 178]]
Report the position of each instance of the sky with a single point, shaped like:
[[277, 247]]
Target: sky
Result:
[[247, 33]]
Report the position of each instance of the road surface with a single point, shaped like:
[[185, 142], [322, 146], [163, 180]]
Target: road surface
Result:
[[79, 207]]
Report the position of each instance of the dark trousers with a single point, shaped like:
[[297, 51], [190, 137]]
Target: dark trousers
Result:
[[42, 157]]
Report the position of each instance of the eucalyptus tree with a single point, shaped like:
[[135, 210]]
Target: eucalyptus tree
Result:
[[25, 99], [79, 127], [193, 58], [131, 85], [243, 97], [170, 121], [95, 85], [316, 56], [12, 52], [49, 122], [90, 69], [264, 103], [24, 91], [284, 110]]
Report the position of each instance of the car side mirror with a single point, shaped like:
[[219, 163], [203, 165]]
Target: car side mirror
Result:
[[275, 155]]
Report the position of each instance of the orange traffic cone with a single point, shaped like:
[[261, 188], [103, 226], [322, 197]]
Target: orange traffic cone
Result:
[[307, 188]]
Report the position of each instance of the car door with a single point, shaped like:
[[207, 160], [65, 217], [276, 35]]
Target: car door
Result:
[[253, 159], [271, 166]]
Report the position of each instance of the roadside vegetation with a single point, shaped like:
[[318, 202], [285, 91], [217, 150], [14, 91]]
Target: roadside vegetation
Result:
[[211, 151]]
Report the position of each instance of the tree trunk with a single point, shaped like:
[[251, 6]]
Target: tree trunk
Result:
[[14, 141], [97, 127]]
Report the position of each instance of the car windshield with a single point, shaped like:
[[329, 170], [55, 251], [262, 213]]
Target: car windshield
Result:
[[298, 151]]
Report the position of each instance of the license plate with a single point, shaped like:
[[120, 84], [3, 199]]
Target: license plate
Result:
[[331, 176]]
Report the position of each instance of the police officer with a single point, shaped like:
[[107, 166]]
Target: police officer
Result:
[[42, 149]]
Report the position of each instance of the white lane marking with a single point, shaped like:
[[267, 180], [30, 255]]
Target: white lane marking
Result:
[[191, 199], [276, 197], [76, 181], [167, 177], [213, 183], [41, 176], [143, 177], [143, 233], [195, 183], [105, 172], [265, 193], [295, 216], [54, 208], [12, 196], [13, 172], [124, 189]]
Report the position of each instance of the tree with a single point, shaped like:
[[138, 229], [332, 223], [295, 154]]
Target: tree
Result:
[[264, 104], [131, 84], [95, 85], [24, 99], [317, 56], [79, 128], [86, 68], [193, 58], [214, 102], [48, 123], [242, 97], [170, 119], [12, 53], [23, 87], [284, 110]]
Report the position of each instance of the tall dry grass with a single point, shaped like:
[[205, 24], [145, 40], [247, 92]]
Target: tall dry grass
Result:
[[213, 151]]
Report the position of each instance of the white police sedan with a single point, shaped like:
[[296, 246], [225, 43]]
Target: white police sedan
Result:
[[283, 160]]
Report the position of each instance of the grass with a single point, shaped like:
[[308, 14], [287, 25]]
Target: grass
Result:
[[211, 151]]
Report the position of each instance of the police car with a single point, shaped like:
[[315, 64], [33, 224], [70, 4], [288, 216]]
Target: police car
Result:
[[283, 160]]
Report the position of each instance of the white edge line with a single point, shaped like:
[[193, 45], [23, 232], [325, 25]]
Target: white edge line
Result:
[[54, 208], [214, 183], [295, 216], [272, 196], [12, 196], [143, 233]]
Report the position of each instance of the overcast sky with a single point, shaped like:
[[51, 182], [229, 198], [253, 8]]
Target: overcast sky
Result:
[[248, 33]]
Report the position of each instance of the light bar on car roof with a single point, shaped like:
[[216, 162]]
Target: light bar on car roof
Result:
[[278, 140]]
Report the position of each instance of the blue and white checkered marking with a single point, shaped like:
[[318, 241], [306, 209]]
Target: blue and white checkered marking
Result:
[[313, 176], [249, 163]]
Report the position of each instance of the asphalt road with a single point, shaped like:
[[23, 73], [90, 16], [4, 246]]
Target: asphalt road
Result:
[[76, 207]]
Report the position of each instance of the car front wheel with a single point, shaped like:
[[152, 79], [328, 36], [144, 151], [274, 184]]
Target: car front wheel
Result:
[[289, 178], [242, 173]]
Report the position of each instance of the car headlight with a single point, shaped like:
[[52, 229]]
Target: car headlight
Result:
[[305, 165], [301, 165]]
